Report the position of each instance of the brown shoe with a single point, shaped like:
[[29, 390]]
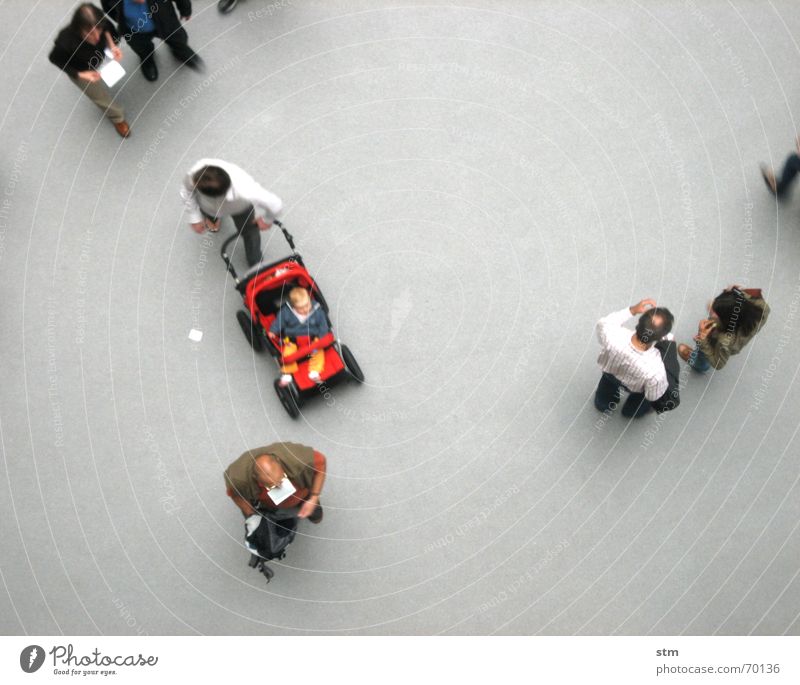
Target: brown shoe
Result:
[[123, 129], [684, 351], [316, 516]]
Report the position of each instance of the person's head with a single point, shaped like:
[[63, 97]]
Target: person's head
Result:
[[268, 471], [212, 181], [735, 313], [300, 300], [654, 324], [86, 23]]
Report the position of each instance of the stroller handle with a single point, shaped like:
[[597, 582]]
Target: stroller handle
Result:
[[224, 249], [224, 254], [286, 234]]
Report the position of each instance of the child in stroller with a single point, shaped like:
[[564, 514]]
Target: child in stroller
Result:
[[300, 317]]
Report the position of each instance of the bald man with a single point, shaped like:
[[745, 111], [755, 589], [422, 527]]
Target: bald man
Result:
[[250, 478]]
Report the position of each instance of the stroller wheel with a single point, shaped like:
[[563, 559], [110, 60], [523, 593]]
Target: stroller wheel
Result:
[[352, 365], [287, 399], [249, 330]]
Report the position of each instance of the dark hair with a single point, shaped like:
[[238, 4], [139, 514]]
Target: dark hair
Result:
[[736, 313], [86, 18], [212, 181], [654, 324]]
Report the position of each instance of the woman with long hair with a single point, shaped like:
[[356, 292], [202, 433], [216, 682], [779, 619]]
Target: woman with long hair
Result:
[[734, 317]]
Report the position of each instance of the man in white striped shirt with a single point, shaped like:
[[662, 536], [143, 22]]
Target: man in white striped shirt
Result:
[[630, 361]]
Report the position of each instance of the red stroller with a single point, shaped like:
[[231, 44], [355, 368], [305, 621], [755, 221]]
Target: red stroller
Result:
[[264, 289]]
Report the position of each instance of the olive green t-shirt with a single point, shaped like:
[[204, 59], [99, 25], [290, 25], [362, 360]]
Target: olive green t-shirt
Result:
[[297, 461]]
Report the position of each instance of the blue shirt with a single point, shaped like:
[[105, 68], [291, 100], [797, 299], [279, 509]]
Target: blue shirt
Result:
[[138, 17]]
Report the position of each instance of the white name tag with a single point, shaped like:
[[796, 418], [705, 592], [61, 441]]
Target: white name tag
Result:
[[284, 490]]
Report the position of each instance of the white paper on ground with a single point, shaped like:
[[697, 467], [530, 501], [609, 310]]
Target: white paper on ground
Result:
[[195, 335], [111, 72], [284, 490]]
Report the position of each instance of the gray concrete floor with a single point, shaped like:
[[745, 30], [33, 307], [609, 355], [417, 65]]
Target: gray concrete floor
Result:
[[473, 186]]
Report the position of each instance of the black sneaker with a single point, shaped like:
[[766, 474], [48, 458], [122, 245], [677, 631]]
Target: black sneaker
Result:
[[316, 517], [195, 63], [149, 70], [226, 6]]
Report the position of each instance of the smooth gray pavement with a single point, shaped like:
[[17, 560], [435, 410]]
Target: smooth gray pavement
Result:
[[473, 186]]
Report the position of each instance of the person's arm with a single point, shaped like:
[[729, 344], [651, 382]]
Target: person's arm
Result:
[[317, 323], [715, 349], [617, 319], [713, 343], [190, 203], [61, 58], [233, 488], [246, 508], [656, 386], [610, 322], [116, 53], [275, 326], [109, 27], [267, 205], [184, 9], [111, 8], [320, 467], [290, 327]]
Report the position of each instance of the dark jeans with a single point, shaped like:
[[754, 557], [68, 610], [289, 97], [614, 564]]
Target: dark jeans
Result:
[[608, 395], [178, 43], [790, 169], [250, 232]]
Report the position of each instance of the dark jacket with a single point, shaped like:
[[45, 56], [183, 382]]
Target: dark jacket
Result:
[[165, 19], [72, 54], [672, 397], [287, 325]]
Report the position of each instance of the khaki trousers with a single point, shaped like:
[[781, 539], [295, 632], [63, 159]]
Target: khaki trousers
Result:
[[99, 93]]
